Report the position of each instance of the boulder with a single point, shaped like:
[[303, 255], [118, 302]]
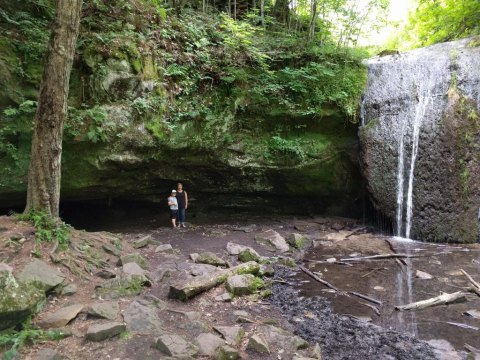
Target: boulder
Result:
[[273, 239], [258, 344], [42, 275], [100, 332], [240, 285], [208, 344], [248, 254], [133, 257], [69, 290], [299, 241], [107, 310], [232, 334], [175, 345], [210, 259], [142, 318], [234, 249], [60, 317], [142, 242], [18, 301], [133, 270], [226, 352]]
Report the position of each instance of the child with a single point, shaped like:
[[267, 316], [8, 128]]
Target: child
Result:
[[172, 202]]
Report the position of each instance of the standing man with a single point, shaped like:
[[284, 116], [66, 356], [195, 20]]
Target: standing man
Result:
[[182, 200]]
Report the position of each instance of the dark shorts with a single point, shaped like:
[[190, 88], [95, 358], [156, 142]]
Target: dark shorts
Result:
[[173, 214]]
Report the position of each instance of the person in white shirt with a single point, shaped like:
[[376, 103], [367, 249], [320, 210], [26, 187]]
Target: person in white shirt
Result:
[[172, 202]]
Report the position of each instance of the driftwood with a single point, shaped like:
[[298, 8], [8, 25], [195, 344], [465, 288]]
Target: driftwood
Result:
[[372, 271], [443, 299], [319, 279], [473, 282], [382, 257], [189, 289], [328, 262], [365, 297], [373, 307]]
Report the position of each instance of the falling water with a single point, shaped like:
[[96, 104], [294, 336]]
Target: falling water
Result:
[[400, 182], [419, 115]]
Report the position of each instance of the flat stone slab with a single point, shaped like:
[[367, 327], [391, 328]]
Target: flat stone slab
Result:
[[274, 239], [164, 248], [42, 275], [175, 345], [142, 319], [100, 332], [210, 259], [60, 317], [208, 343], [232, 334], [107, 310]]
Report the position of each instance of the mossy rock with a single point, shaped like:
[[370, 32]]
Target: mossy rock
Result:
[[299, 241], [18, 301], [133, 257], [120, 287], [248, 254]]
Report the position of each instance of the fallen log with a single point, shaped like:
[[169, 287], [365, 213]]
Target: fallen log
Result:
[[473, 350], [319, 279], [189, 289], [473, 282], [365, 297], [382, 257], [443, 299]]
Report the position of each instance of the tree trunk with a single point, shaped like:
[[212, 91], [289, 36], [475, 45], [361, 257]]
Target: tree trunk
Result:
[[45, 164]]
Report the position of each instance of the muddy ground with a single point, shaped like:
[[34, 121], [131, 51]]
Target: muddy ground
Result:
[[344, 328]]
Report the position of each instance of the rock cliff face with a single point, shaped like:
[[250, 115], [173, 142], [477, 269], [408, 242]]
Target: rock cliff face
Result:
[[420, 139], [133, 131]]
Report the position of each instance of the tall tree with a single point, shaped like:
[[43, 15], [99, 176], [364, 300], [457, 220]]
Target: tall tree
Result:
[[45, 164]]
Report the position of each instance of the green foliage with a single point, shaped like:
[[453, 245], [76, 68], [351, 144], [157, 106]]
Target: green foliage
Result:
[[48, 229], [438, 21], [11, 341], [89, 121]]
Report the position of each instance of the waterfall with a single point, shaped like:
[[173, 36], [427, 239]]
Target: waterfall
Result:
[[416, 124], [417, 108]]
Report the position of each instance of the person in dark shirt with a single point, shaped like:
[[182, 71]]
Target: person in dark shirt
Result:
[[182, 199]]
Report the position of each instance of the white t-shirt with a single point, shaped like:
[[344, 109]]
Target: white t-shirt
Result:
[[173, 199]]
